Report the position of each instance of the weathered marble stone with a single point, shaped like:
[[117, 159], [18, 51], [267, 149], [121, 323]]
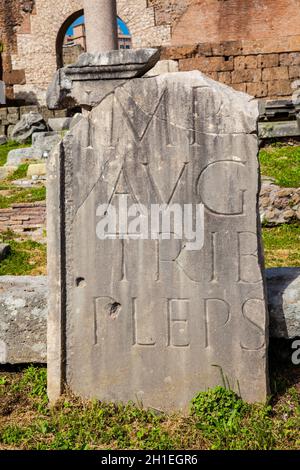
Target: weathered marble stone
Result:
[[23, 313], [59, 124], [271, 130], [28, 124], [283, 299], [163, 66], [156, 320], [75, 120], [79, 84], [17, 156], [284, 302], [36, 169], [44, 142]]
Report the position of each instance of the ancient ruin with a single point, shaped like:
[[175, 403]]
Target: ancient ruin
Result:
[[146, 311], [252, 47]]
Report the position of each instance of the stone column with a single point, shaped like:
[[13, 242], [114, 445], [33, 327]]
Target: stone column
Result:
[[101, 25]]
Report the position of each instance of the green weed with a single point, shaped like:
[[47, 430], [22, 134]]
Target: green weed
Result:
[[282, 164]]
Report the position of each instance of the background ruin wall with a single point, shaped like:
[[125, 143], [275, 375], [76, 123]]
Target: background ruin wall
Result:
[[249, 44]]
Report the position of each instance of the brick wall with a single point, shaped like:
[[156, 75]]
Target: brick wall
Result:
[[242, 33], [264, 69], [23, 217], [217, 21], [36, 40], [14, 17]]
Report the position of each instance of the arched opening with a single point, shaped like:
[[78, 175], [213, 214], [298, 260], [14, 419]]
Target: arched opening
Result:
[[61, 36], [71, 41]]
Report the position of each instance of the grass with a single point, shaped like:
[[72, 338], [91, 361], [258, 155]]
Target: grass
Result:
[[27, 257], [19, 173], [11, 145], [282, 245], [10, 194], [281, 163], [218, 419]]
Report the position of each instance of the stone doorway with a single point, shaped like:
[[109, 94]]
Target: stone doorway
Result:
[[71, 40]]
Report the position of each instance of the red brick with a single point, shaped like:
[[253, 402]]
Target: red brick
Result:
[[207, 64], [245, 62], [14, 77], [239, 86], [18, 205], [250, 75], [205, 49], [25, 27], [279, 88], [6, 211], [20, 217], [259, 90], [290, 59], [16, 228], [271, 45], [224, 77], [294, 71], [228, 48], [213, 75], [267, 60], [179, 52], [275, 73], [32, 226]]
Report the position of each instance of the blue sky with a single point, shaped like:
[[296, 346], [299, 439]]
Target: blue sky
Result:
[[80, 20]]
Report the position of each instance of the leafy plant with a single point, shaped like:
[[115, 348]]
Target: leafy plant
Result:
[[217, 406]]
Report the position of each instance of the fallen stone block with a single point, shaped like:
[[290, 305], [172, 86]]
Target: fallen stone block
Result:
[[37, 169], [59, 124], [283, 286], [43, 143], [271, 130], [163, 66], [28, 124], [23, 319], [18, 156]]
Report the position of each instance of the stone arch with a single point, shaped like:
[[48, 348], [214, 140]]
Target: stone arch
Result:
[[36, 51], [61, 35]]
